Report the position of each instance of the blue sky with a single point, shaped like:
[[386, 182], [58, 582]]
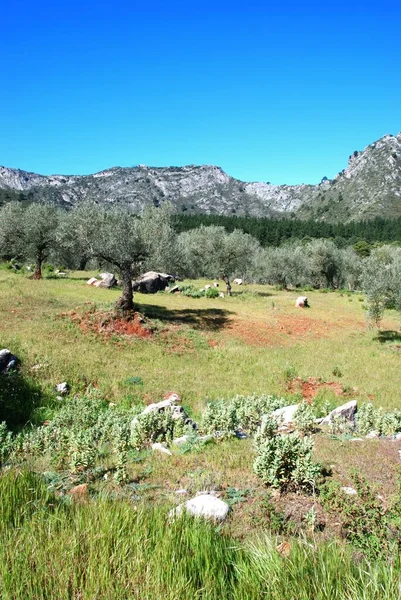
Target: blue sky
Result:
[[270, 91]]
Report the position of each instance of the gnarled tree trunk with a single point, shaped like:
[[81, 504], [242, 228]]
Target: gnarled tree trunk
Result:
[[227, 282], [126, 303], [37, 274]]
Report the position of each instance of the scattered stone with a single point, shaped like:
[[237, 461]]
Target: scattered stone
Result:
[[241, 435], [221, 295], [208, 286], [397, 437], [161, 448], [372, 434], [174, 289], [356, 440], [107, 281], [63, 388], [204, 505], [173, 397], [92, 281], [181, 492], [152, 282], [301, 302], [284, 549], [286, 414], [79, 492], [159, 406], [8, 361], [238, 281], [347, 411], [181, 440], [215, 284], [59, 398], [350, 491]]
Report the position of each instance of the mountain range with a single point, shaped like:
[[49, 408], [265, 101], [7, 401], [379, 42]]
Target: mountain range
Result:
[[370, 186]]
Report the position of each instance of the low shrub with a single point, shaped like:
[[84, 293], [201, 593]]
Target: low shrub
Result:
[[285, 462], [304, 418], [242, 412]]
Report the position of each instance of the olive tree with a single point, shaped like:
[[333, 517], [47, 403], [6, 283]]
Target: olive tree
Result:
[[120, 238], [286, 266], [325, 263], [29, 233], [11, 231], [381, 281], [212, 252]]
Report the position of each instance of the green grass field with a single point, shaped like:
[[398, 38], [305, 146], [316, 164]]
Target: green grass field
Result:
[[253, 342]]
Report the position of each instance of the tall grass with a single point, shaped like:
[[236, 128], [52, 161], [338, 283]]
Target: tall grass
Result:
[[103, 549]]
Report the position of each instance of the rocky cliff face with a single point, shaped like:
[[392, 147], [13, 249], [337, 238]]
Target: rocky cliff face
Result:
[[369, 186]]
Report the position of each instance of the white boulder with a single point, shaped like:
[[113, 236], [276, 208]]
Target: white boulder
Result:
[[286, 414], [301, 302], [158, 447], [204, 505]]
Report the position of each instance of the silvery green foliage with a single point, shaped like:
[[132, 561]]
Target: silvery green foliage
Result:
[[242, 412], [369, 418], [285, 462], [12, 231], [250, 409], [285, 266], [6, 442], [266, 431], [82, 430], [381, 281], [220, 416], [304, 418], [157, 426], [340, 425], [212, 252], [324, 263]]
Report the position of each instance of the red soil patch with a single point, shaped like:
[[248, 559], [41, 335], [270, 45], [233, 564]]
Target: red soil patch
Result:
[[110, 324], [311, 386], [286, 329], [283, 329]]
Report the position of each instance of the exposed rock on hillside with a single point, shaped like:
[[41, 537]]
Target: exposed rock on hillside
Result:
[[369, 186]]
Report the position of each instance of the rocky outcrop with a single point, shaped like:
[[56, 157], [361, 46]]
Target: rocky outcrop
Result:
[[152, 282], [369, 186]]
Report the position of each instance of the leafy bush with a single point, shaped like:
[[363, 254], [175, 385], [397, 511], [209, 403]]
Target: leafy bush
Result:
[[220, 416], [82, 430], [369, 418], [266, 431], [212, 293], [304, 418], [368, 523], [156, 426], [242, 412], [285, 462]]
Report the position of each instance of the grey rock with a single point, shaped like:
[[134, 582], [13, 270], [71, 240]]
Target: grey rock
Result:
[[107, 281], [347, 411], [152, 282], [8, 361], [371, 435]]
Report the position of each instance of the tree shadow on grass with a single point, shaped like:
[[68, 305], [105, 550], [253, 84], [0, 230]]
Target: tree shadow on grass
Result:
[[388, 335], [207, 319], [20, 397]]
